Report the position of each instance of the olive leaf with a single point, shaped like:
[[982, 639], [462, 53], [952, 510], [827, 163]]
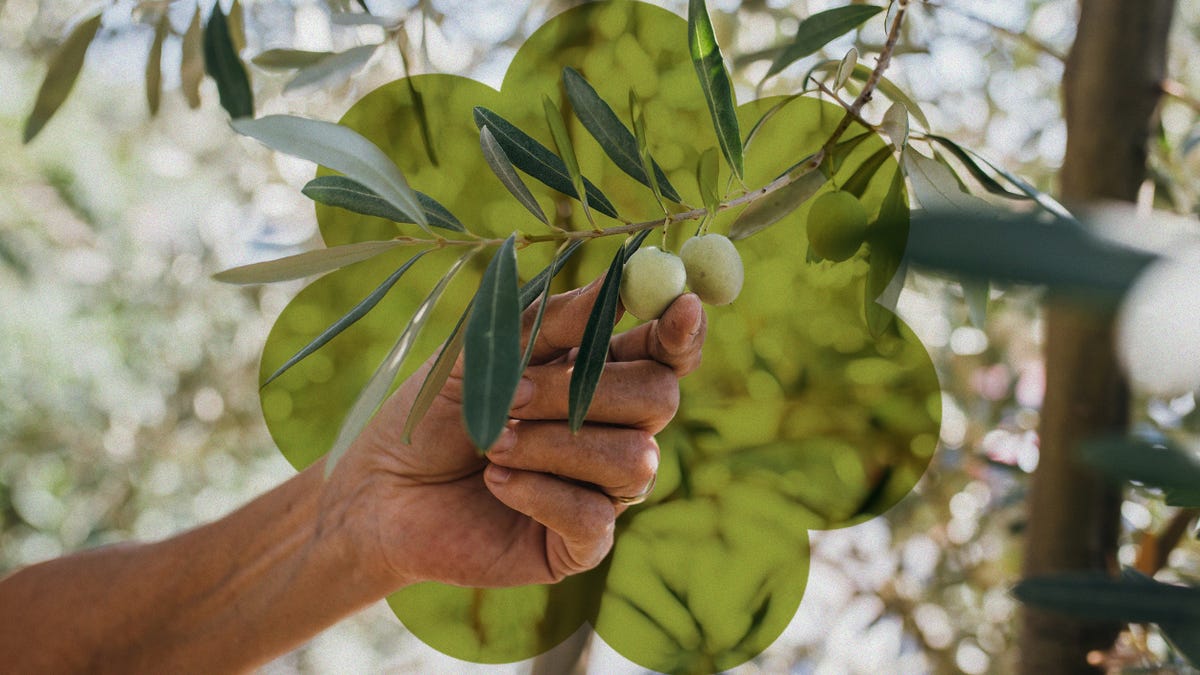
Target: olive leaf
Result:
[[64, 69], [768, 210], [819, 30], [846, 68], [331, 65], [857, 183], [1044, 200], [886, 239], [895, 125], [708, 168], [603, 124], [376, 389], [306, 264], [191, 62], [341, 149], [287, 59], [502, 167], [562, 141], [715, 84], [593, 346], [348, 319], [990, 184], [237, 26], [862, 73], [347, 193], [537, 161], [531, 341], [222, 63], [154, 65], [492, 354], [975, 294]]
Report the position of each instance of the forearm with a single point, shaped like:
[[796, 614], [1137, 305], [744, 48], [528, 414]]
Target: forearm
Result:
[[222, 597]]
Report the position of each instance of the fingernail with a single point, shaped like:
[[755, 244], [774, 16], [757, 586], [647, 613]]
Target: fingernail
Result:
[[499, 474], [524, 393]]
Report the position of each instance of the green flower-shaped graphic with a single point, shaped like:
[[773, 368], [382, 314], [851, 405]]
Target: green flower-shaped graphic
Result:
[[802, 416]]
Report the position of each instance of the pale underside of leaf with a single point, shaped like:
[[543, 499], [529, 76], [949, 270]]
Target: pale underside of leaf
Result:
[[341, 149], [376, 389], [715, 84], [191, 63], [154, 65], [340, 64], [347, 193], [502, 167], [306, 264], [64, 69], [769, 210]]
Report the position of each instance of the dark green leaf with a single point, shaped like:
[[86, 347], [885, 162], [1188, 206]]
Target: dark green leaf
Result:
[[819, 30], [842, 149], [562, 141], [1022, 249], [593, 347], [766, 211], [339, 148], [1155, 464], [541, 312], [357, 312], [533, 288], [715, 83], [975, 294], [650, 170], [306, 264], [492, 354], [1101, 598], [154, 65], [861, 178], [347, 193], [990, 184], [222, 63], [616, 141], [376, 389], [1044, 200], [191, 61], [536, 160], [64, 69], [288, 59], [886, 238]]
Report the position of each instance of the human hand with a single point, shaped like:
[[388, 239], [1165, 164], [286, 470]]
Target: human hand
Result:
[[540, 505]]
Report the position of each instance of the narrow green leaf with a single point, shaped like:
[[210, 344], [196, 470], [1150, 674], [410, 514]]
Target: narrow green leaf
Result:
[[154, 65], [842, 149], [766, 211], [562, 141], [288, 59], [885, 86], [541, 312], [887, 238], [895, 125], [533, 288], [222, 63], [376, 389], [1098, 597], [975, 294], [347, 193], [616, 141], [1044, 200], [708, 169], [341, 149], [771, 112], [306, 264], [237, 26], [64, 69], [715, 83], [191, 62], [436, 378], [418, 102], [1160, 464], [498, 161], [339, 64], [593, 347], [535, 159], [861, 178], [819, 30], [985, 179], [650, 170], [348, 319], [492, 354], [846, 68]]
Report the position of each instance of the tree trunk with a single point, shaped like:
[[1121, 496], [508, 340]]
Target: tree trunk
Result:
[[1110, 89]]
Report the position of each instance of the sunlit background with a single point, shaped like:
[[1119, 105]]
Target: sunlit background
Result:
[[129, 406]]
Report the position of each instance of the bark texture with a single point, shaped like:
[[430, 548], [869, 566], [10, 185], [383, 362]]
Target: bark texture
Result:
[[1111, 87]]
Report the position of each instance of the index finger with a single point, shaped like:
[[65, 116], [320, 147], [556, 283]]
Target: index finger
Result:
[[563, 324]]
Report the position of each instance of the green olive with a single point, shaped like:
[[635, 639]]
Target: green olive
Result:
[[651, 281], [714, 268], [837, 226]]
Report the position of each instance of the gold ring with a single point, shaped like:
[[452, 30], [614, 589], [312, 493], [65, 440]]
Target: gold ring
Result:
[[639, 497]]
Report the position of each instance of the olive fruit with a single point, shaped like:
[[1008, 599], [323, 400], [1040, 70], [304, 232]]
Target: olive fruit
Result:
[[651, 281], [714, 268], [837, 225]]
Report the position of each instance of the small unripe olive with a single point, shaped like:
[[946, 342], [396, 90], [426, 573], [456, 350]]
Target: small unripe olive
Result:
[[714, 268], [651, 281], [837, 225]]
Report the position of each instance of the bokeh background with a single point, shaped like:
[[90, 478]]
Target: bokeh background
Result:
[[128, 378]]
